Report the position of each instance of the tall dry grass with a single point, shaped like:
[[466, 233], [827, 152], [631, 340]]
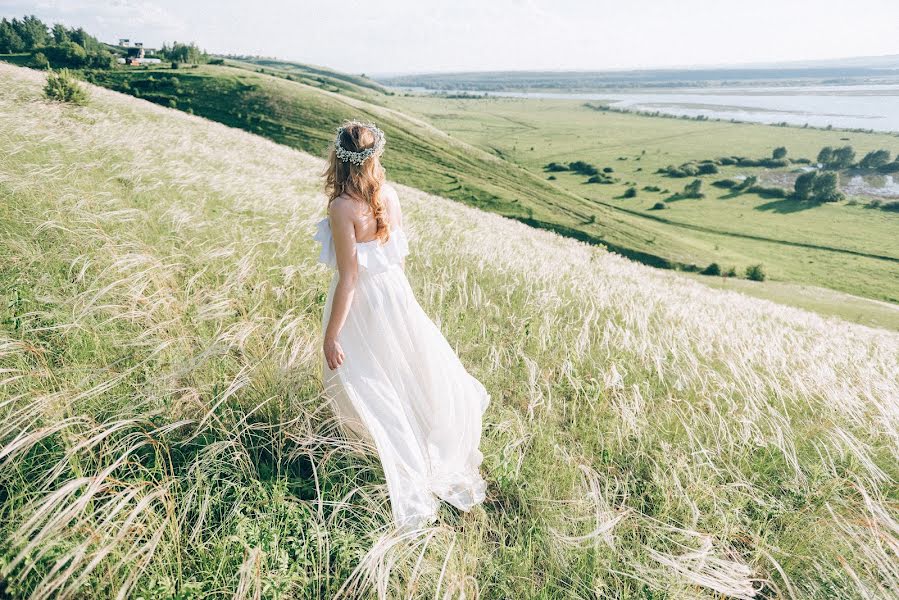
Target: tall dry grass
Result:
[[163, 432]]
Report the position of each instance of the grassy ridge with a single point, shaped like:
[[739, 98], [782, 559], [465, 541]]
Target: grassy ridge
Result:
[[304, 116], [494, 157], [162, 430]]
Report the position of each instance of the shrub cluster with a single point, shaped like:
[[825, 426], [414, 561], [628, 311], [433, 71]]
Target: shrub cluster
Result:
[[690, 169], [755, 273], [62, 87], [818, 186]]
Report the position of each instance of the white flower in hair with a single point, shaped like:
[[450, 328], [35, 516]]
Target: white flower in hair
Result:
[[357, 158]]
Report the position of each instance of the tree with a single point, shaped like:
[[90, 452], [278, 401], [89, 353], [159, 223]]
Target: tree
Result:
[[779, 153], [826, 188], [842, 158], [875, 159], [804, 185], [67, 54], [186, 53], [60, 34], [10, 40], [32, 31]]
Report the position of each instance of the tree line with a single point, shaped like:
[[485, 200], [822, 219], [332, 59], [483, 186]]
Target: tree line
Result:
[[59, 46]]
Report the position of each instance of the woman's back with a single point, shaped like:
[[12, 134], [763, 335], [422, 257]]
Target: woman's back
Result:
[[364, 223]]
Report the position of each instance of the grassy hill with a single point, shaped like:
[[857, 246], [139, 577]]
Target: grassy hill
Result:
[[163, 433], [490, 154], [494, 155], [304, 116]]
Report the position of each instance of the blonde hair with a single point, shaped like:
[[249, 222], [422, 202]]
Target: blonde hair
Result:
[[362, 181]]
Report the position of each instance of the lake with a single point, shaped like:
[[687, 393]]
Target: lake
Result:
[[842, 106]]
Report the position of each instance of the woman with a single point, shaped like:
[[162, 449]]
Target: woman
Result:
[[389, 373]]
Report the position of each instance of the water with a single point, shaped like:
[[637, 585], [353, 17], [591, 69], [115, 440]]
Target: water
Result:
[[880, 186], [842, 106]]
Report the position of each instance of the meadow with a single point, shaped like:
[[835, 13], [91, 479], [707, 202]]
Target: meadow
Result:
[[846, 246], [491, 154], [163, 432]]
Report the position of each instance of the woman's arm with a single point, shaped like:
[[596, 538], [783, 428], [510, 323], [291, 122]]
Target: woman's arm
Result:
[[341, 218]]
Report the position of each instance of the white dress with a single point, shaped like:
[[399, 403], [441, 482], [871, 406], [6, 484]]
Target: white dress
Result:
[[402, 387]]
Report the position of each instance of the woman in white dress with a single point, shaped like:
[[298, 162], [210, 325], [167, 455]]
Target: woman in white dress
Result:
[[388, 372]]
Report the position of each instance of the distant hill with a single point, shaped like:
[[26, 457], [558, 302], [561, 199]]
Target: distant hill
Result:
[[860, 68]]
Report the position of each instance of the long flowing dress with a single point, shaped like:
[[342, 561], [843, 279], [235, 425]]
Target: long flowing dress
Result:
[[403, 388]]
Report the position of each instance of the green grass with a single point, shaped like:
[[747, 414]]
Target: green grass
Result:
[[832, 245], [487, 161], [163, 431], [304, 117]]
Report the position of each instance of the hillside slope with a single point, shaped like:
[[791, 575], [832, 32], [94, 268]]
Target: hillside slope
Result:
[[162, 429], [302, 116]]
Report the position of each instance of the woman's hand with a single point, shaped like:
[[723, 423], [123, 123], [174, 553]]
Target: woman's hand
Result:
[[333, 353]]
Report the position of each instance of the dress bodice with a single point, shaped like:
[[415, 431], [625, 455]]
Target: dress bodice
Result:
[[372, 256]]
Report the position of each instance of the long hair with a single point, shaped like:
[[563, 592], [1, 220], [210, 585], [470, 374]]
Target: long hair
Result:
[[361, 181]]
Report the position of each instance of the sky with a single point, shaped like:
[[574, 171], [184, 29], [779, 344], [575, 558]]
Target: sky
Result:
[[380, 37]]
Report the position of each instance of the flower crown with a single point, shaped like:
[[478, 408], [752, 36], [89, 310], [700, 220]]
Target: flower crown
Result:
[[357, 158]]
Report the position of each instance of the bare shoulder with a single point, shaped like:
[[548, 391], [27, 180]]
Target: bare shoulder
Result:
[[341, 211]]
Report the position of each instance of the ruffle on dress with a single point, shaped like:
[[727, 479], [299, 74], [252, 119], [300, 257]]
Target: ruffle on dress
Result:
[[372, 256]]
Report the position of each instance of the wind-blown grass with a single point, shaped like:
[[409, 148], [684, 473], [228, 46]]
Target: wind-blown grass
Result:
[[162, 429]]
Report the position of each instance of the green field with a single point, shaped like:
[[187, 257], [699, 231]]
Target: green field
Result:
[[490, 153], [846, 247], [163, 432]]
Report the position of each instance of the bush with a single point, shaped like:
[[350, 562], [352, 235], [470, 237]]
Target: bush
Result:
[[554, 167], [731, 272], [630, 192], [584, 168], [651, 188], [608, 170], [708, 169], [39, 61], [890, 206], [768, 192], [692, 189], [726, 183], [779, 153], [747, 183], [712, 269], [892, 167], [659, 206], [62, 87], [755, 273], [551, 178], [600, 178]]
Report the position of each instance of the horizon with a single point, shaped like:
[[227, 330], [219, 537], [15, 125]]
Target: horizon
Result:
[[507, 36]]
